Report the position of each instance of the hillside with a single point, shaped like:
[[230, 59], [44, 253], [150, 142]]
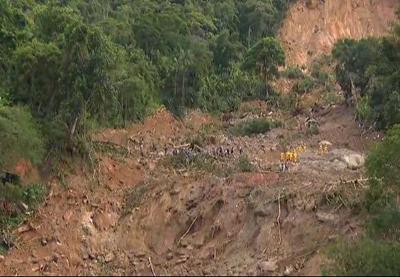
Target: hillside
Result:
[[313, 26], [204, 193]]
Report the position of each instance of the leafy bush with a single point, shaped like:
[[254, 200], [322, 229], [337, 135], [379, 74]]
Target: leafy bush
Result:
[[384, 160], [244, 164], [254, 126], [12, 213], [304, 85], [385, 225], [365, 257], [224, 93], [293, 73], [288, 102], [20, 137], [371, 65], [330, 97], [192, 161], [312, 130], [364, 111]]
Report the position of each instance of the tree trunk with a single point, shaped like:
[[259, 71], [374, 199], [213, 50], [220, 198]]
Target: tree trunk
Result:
[[266, 86], [73, 128], [183, 89], [353, 92]]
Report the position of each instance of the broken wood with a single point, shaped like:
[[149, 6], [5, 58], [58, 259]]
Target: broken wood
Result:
[[188, 230], [182, 146], [278, 219], [151, 266]]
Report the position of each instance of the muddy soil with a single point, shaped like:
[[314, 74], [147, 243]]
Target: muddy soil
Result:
[[137, 214]]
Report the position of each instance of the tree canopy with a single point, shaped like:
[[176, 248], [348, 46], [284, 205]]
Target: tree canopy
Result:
[[76, 64]]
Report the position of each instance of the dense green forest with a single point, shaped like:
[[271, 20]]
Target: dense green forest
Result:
[[75, 65], [370, 68]]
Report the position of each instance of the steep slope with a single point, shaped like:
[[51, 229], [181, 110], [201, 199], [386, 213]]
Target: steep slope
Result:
[[313, 26]]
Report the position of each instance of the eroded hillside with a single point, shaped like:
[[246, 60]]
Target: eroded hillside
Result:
[[313, 26], [146, 210]]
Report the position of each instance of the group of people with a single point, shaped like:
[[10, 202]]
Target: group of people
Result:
[[291, 157], [192, 150]]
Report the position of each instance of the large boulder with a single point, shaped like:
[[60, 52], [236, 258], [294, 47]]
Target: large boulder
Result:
[[348, 158], [354, 161]]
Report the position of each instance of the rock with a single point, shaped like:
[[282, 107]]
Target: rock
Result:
[[267, 266], [325, 142], [23, 229], [325, 217], [354, 161], [170, 256], [288, 270], [43, 242], [1, 258], [67, 215], [140, 255], [26, 208], [104, 221], [152, 165], [109, 257]]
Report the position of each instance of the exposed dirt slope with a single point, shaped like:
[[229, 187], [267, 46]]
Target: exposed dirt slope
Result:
[[193, 221], [313, 26]]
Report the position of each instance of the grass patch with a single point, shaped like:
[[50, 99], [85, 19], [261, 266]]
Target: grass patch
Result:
[[254, 126]]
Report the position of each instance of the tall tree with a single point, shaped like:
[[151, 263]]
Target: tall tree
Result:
[[265, 57]]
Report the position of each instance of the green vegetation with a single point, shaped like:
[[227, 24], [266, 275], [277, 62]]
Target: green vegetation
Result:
[[265, 57], [201, 162], [254, 126], [304, 85], [20, 137], [369, 69], [244, 164], [378, 252], [77, 65], [365, 258], [293, 73], [17, 202]]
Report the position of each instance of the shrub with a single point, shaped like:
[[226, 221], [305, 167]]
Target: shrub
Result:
[[364, 111], [304, 85], [244, 164], [225, 92], [364, 257], [293, 73], [192, 161], [254, 126], [20, 137], [330, 97], [383, 161], [13, 199], [386, 225], [289, 102], [312, 130]]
